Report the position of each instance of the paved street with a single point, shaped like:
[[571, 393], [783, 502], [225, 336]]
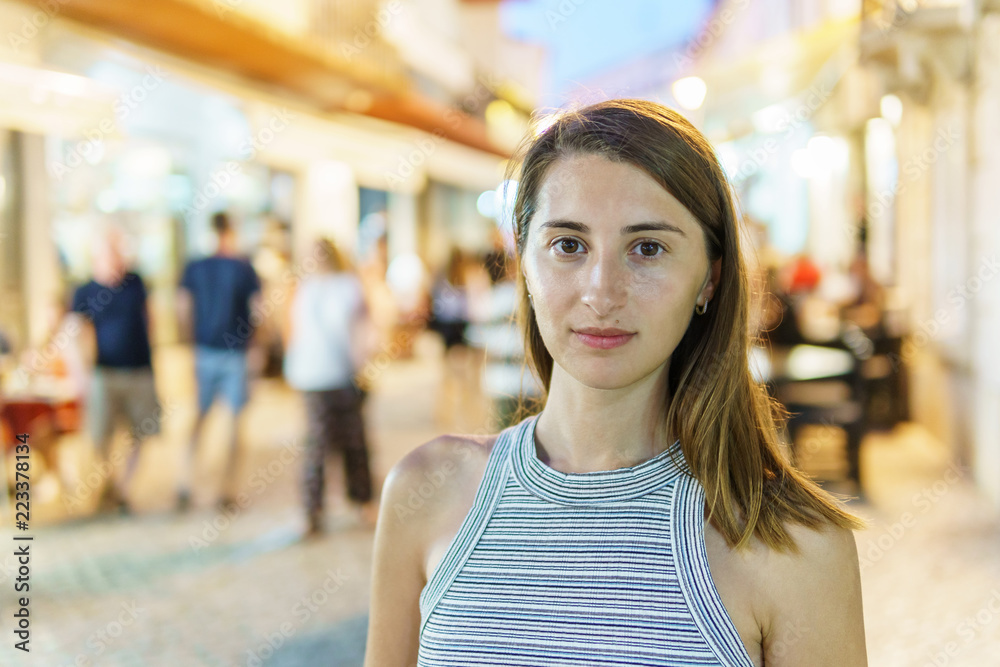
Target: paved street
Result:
[[211, 588]]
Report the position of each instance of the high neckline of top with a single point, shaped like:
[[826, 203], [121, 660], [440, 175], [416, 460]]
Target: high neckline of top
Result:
[[589, 488]]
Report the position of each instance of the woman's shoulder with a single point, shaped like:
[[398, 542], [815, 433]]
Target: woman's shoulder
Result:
[[790, 606], [823, 565], [445, 453], [428, 493], [821, 551], [441, 474], [825, 555], [812, 598]]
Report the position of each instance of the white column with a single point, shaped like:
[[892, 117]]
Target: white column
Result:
[[829, 196], [983, 284], [328, 206], [40, 268], [402, 224]]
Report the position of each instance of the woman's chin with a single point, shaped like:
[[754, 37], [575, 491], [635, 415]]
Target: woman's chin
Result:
[[607, 379], [607, 374]]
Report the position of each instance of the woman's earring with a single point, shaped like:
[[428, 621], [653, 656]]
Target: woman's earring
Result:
[[702, 308], [530, 300]]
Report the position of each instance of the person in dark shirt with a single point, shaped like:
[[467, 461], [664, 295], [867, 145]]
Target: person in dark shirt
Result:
[[215, 304], [122, 386]]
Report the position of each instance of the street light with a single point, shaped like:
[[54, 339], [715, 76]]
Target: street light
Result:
[[689, 92]]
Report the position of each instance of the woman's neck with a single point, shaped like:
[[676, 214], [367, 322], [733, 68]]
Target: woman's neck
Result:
[[583, 429]]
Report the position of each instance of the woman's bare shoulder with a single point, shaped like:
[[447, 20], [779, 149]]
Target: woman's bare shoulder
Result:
[[824, 548], [811, 596], [444, 454], [421, 498], [817, 552], [437, 475]]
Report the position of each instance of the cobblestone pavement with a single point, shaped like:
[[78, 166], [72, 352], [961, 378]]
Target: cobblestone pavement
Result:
[[241, 588]]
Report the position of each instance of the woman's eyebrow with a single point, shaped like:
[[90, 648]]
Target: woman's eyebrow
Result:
[[656, 226]]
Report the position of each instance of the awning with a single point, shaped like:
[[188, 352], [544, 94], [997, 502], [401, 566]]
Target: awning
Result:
[[212, 33]]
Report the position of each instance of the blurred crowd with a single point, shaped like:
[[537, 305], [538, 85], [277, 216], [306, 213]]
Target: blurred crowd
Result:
[[329, 323]]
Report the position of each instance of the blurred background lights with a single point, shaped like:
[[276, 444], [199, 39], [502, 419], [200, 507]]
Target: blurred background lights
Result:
[[891, 108], [486, 204], [821, 149], [802, 163], [770, 119], [107, 201], [689, 92]]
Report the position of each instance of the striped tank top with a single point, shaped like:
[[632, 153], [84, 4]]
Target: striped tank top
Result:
[[599, 568]]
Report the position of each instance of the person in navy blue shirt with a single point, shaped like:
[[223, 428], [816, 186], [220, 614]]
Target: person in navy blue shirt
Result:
[[215, 304], [122, 386]]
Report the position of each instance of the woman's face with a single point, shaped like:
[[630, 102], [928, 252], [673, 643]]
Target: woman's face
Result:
[[615, 266]]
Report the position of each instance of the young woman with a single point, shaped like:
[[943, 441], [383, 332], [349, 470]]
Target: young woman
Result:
[[328, 340], [646, 516]]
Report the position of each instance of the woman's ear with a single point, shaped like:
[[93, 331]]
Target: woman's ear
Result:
[[713, 281]]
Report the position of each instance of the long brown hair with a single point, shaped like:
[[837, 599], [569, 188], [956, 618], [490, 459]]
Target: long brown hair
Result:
[[725, 420]]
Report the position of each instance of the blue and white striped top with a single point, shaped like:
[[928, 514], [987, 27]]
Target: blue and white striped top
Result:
[[599, 568]]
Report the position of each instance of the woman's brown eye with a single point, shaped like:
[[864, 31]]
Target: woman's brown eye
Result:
[[568, 245], [648, 249]]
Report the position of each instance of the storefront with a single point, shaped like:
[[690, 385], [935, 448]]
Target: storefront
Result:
[[158, 144]]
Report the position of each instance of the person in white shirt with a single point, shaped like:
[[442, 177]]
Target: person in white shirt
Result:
[[328, 339]]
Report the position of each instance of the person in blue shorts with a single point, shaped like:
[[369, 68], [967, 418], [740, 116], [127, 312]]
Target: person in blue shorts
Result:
[[215, 303]]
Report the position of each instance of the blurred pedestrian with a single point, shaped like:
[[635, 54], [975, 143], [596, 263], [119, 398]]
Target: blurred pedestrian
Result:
[[450, 319], [506, 382], [113, 315], [216, 297], [329, 337]]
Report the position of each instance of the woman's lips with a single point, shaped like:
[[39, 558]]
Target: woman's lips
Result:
[[604, 340]]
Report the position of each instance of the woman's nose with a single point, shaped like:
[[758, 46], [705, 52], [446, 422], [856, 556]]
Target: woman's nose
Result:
[[604, 288]]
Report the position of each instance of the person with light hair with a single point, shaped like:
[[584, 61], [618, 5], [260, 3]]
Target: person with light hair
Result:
[[114, 323], [329, 339], [647, 515]]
